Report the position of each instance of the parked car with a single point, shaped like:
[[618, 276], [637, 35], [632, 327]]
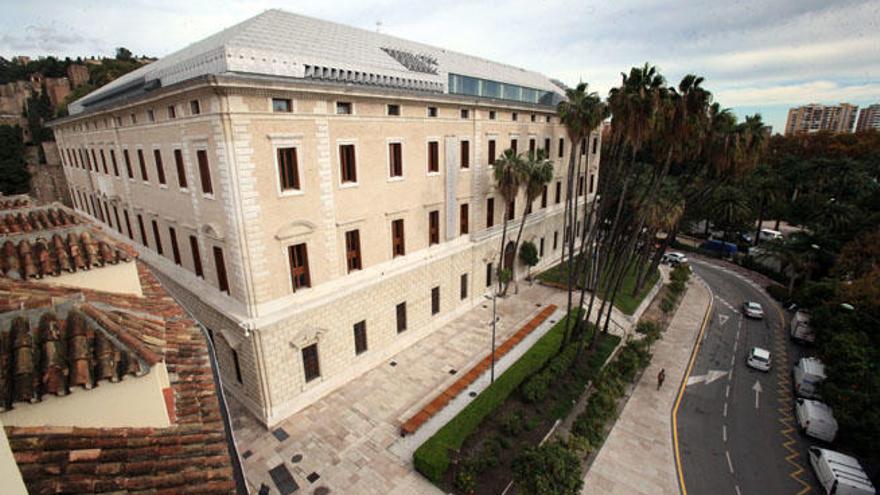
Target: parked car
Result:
[[720, 247], [808, 375], [840, 474], [769, 235], [674, 258], [816, 419], [746, 238], [753, 310], [801, 329], [759, 359]]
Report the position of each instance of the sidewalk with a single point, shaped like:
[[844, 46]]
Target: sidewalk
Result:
[[637, 457], [343, 441]]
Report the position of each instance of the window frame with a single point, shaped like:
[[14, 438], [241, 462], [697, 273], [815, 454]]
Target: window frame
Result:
[[360, 337], [400, 317], [220, 270], [464, 152], [296, 271], [394, 238], [160, 167], [280, 174], [336, 106], [393, 106], [180, 167], [347, 183], [463, 286], [435, 300], [490, 212], [463, 219], [287, 101], [432, 112], [353, 253], [195, 107], [311, 361], [436, 155], [389, 143], [204, 172]]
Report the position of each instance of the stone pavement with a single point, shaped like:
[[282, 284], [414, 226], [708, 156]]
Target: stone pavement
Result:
[[637, 457], [342, 441]]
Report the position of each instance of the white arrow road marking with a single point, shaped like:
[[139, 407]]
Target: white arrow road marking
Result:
[[708, 378], [757, 388], [722, 319]]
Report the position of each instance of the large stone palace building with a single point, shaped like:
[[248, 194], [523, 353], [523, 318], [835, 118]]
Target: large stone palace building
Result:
[[318, 195]]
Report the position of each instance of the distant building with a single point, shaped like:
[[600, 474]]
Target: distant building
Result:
[[869, 118], [57, 88], [816, 117], [77, 75], [22, 59]]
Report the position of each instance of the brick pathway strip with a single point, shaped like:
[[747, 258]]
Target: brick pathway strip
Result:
[[404, 447], [439, 402]]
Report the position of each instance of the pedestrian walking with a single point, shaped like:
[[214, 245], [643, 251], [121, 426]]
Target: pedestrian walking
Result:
[[660, 377]]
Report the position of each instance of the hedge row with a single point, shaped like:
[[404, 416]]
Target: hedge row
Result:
[[432, 457]]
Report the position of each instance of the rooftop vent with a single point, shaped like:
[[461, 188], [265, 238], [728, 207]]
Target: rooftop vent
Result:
[[415, 62]]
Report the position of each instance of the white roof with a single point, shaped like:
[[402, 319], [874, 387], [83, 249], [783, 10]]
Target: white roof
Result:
[[761, 353], [283, 44], [813, 366], [817, 408]]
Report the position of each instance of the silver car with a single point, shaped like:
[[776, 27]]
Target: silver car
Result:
[[674, 258], [753, 310], [759, 359]]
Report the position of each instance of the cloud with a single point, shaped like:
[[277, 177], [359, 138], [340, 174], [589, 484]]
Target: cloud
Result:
[[811, 92], [45, 39]]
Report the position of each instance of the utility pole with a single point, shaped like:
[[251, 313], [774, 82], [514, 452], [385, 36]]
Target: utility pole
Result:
[[494, 296]]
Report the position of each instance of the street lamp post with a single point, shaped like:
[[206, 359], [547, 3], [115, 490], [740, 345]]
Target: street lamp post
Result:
[[493, 297]]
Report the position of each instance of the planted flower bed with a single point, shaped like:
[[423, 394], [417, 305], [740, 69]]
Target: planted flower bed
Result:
[[475, 451]]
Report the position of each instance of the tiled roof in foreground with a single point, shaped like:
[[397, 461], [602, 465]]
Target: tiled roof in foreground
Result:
[[56, 340]]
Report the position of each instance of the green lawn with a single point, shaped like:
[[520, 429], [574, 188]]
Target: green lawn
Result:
[[625, 301]]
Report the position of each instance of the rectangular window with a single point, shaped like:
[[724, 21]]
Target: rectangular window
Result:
[[353, 250], [95, 160], [282, 105], [172, 112], [347, 165], [514, 116], [491, 114], [393, 110], [204, 171], [194, 107], [127, 160], [151, 116], [220, 266], [127, 224], [401, 317], [547, 146], [584, 146], [581, 185], [397, 243], [116, 216], [144, 240], [488, 274], [555, 240], [104, 162], [561, 147], [311, 366], [534, 117], [432, 111], [181, 169], [143, 165], [548, 119], [541, 248], [299, 266], [490, 212], [491, 152], [465, 113], [113, 161], [465, 154], [360, 337], [196, 256], [463, 218], [463, 286], [435, 300], [237, 364], [134, 119], [532, 145], [433, 156], [160, 169], [595, 145], [433, 227], [558, 192], [511, 209], [157, 237], [592, 182], [395, 160], [513, 145], [288, 169], [343, 108], [175, 250], [544, 196]]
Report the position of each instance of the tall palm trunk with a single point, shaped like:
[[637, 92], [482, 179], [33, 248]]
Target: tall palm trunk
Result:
[[760, 222], [566, 228], [503, 242]]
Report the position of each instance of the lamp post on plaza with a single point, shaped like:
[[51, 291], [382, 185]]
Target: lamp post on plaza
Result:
[[493, 297]]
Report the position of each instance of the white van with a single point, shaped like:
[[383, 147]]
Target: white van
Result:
[[816, 419], [801, 329], [769, 235], [808, 374], [840, 474]]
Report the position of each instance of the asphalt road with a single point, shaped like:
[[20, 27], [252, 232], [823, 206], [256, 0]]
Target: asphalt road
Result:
[[735, 439]]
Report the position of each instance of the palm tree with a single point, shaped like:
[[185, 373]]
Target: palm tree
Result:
[[764, 182], [508, 179], [537, 172]]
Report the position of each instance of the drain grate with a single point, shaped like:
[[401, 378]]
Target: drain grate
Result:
[[453, 371], [280, 434], [472, 393], [296, 458], [247, 453], [393, 363], [313, 477]]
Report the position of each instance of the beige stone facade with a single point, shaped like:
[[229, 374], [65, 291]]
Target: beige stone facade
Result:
[[261, 326]]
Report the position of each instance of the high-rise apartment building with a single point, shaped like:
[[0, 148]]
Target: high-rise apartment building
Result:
[[319, 196], [869, 118], [815, 117]]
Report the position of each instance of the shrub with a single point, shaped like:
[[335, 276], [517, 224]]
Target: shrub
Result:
[[432, 457], [667, 304], [778, 292], [676, 287], [551, 469], [682, 273], [538, 386], [466, 479], [649, 329], [512, 424]]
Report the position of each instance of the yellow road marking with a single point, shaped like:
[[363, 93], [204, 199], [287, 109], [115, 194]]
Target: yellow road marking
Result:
[[687, 375]]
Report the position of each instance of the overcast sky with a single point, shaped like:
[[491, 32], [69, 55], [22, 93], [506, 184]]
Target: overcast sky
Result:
[[757, 56]]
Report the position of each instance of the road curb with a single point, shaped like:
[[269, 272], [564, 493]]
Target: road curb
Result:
[[687, 374]]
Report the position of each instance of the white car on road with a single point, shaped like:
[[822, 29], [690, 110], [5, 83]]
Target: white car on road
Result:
[[759, 359], [753, 310], [674, 258]]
